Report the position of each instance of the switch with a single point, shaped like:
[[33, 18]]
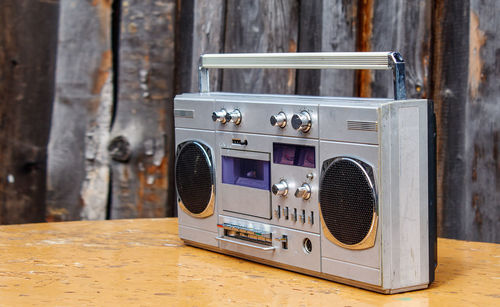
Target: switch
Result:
[[294, 215], [285, 213], [277, 213], [284, 241], [311, 218]]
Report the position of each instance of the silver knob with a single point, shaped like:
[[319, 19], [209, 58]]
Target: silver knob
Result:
[[280, 188], [219, 116], [301, 121], [278, 120], [234, 117], [303, 191]]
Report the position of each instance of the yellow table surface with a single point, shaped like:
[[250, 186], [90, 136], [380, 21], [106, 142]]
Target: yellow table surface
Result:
[[142, 262]]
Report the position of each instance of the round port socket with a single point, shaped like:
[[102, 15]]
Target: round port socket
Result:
[[307, 246]]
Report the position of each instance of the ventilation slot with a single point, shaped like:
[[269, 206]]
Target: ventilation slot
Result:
[[362, 125]]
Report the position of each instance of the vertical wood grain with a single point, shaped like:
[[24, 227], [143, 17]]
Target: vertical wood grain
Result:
[[142, 137], [327, 26], [200, 29], [261, 26], [28, 42], [450, 65], [78, 163], [403, 26], [310, 39], [482, 126], [339, 34]]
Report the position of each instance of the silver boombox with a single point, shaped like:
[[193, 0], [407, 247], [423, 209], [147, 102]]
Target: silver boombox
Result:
[[334, 187]]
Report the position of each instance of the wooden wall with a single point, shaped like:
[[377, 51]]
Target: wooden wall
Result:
[[28, 42], [121, 62], [466, 74]]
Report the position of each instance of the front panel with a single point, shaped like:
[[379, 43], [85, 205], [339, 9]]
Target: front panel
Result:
[[341, 253], [310, 184], [260, 164]]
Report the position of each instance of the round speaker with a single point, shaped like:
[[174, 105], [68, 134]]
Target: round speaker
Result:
[[194, 178], [348, 202]]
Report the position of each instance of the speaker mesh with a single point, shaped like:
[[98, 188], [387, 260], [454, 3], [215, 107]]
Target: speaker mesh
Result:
[[193, 176], [347, 200]]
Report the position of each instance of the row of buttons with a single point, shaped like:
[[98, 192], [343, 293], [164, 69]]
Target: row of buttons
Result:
[[294, 216]]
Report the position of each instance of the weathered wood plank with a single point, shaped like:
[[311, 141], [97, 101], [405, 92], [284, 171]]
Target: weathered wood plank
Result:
[[310, 39], [327, 26], [403, 26], [28, 42], [466, 89], [261, 26], [142, 133], [200, 30], [339, 34], [481, 209], [450, 65], [78, 176]]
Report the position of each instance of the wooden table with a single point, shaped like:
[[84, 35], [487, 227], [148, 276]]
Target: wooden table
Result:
[[143, 262]]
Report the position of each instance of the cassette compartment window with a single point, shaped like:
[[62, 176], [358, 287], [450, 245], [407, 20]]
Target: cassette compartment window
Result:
[[290, 154], [246, 172]]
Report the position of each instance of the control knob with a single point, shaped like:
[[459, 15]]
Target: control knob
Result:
[[280, 188], [278, 120], [301, 121], [234, 117], [303, 191], [219, 116]]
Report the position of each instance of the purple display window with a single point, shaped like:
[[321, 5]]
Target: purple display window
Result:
[[246, 172], [298, 155]]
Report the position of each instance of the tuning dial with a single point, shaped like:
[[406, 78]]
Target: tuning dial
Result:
[[303, 191], [219, 116], [280, 188], [301, 121], [234, 117], [278, 120]]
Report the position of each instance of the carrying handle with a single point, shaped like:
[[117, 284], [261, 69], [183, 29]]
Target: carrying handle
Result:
[[307, 60]]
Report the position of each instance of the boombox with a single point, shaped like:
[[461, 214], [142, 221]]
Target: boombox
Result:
[[334, 187]]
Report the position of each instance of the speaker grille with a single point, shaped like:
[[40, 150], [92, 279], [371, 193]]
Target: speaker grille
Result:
[[194, 176], [347, 199]]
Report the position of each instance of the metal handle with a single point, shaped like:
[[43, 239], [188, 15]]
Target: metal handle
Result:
[[307, 60], [246, 244]]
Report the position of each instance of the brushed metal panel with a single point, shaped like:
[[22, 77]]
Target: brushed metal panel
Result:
[[351, 271], [194, 112], [256, 115], [334, 123]]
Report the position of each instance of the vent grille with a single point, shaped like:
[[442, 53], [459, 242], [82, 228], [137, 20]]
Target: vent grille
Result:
[[194, 176], [362, 125], [347, 199]]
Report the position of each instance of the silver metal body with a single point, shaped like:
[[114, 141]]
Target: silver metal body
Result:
[[388, 135]]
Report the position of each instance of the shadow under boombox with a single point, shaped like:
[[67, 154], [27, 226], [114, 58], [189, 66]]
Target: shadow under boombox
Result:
[[339, 188]]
